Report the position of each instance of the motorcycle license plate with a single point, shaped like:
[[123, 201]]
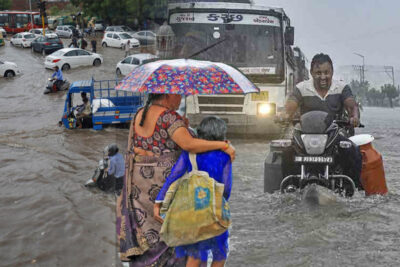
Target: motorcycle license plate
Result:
[[313, 159]]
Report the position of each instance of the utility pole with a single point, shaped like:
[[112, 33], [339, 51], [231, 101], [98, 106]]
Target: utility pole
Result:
[[30, 9], [390, 71], [362, 69]]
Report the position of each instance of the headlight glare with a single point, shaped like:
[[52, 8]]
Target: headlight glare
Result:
[[265, 109]]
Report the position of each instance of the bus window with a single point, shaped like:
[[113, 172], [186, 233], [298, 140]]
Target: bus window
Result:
[[21, 20], [3, 19]]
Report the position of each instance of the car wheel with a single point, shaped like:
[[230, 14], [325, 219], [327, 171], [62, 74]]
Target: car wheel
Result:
[[9, 74], [96, 62], [65, 67], [43, 52], [104, 44], [118, 71]]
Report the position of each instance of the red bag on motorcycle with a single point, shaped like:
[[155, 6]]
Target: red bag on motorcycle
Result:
[[372, 172]]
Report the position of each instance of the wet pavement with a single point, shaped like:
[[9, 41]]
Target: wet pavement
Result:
[[48, 218]]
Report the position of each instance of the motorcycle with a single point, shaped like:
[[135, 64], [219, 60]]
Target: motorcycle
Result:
[[100, 178], [52, 88], [314, 147]]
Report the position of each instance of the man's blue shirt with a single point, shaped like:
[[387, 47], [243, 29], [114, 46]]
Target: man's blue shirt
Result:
[[58, 74], [117, 165]]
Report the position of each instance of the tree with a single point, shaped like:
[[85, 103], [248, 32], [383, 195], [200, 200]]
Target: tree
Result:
[[54, 11], [373, 97], [123, 11], [360, 89], [390, 91], [5, 4]]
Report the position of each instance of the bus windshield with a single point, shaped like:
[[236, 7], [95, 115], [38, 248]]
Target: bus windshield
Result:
[[252, 43]]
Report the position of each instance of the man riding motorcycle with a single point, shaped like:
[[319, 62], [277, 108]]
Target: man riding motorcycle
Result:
[[322, 93], [58, 77]]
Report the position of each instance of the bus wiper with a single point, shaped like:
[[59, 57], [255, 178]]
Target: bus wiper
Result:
[[208, 47]]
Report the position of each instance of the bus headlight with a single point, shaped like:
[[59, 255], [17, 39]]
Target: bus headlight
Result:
[[265, 109]]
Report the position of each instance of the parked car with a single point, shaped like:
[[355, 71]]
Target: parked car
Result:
[[23, 39], [119, 39], [120, 29], [68, 31], [145, 37], [46, 44], [68, 58], [39, 32], [3, 32], [99, 26], [125, 66], [8, 69]]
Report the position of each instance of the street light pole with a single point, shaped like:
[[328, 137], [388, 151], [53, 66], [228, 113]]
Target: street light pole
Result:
[[30, 8], [362, 78]]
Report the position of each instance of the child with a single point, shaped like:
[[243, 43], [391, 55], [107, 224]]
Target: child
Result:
[[116, 170], [218, 165]]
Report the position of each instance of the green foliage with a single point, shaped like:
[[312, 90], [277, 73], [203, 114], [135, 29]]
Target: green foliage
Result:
[[359, 89], [390, 92], [123, 11], [5, 4], [54, 11]]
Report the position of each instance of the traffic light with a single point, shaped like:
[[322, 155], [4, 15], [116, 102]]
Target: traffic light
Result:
[[43, 10], [42, 7]]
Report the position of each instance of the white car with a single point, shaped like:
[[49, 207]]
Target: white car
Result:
[[125, 66], [23, 39], [120, 28], [67, 31], [118, 39], [8, 69], [145, 37], [39, 32], [68, 58]]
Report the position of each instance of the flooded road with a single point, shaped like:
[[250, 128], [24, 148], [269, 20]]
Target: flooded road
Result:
[[48, 218]]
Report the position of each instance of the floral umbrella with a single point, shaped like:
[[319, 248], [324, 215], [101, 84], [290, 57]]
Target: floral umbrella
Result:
[[187, 77]]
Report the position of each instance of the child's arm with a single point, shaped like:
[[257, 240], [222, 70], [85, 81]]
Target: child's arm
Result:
[[177, 172], [227, 179]]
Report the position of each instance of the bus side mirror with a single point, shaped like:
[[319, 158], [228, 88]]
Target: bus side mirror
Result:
[[289, 35]]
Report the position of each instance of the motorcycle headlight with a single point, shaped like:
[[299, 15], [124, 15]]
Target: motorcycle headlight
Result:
[[314, 143]]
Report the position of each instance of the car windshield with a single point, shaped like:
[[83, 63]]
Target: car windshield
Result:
[[248, 41], [125, 36], [127, 29], [29, 36]]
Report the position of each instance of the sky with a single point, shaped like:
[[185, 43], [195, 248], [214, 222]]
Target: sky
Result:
[[341, 28]]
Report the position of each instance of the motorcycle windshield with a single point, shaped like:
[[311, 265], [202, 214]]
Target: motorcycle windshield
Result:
[[315, 122]]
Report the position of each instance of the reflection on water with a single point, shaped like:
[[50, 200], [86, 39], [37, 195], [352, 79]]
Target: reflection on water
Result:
[[50, 219]]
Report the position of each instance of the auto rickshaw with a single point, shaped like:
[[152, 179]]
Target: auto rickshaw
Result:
[[2, 42]]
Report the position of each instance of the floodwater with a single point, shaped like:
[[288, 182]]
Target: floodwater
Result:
[[48, 218]]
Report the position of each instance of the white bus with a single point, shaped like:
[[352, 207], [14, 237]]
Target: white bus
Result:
[[255, 39]]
